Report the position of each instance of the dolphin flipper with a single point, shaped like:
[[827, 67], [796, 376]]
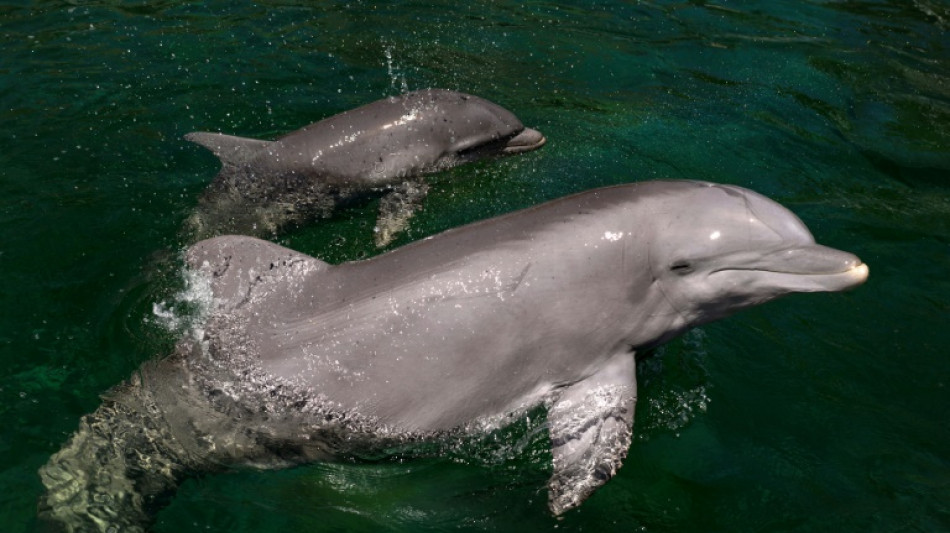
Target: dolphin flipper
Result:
[[396, 208], [591, 424], [231, 150]]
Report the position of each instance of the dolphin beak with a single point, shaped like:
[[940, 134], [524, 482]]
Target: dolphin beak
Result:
[[525, 141], [818, 268], [809, 268]]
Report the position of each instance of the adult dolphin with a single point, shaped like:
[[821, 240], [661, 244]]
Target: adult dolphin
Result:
[[384, 146], [299, 360]]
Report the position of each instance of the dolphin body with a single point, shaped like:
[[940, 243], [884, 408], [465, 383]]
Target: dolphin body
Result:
[[299, 360], [381, 147]]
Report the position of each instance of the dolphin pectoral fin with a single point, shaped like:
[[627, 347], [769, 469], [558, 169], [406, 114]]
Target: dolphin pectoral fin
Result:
[[232, 151], [396, 208], [591, 424]]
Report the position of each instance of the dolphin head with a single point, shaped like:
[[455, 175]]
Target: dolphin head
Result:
[[720, 249], [476, 128]]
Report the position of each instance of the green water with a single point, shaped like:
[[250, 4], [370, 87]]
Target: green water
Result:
[[813, 413]]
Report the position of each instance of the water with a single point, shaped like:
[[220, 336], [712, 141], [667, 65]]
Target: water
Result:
[[814, 413]]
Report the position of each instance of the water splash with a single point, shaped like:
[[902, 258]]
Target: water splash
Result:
[[674, 410], [186, 310], [678, 372], [397, 78]]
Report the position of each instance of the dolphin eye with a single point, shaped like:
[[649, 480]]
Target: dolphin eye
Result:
[[681, 267]]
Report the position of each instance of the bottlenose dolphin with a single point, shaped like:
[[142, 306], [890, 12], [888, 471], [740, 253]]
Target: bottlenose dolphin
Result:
[[381, 147], [298, 360]]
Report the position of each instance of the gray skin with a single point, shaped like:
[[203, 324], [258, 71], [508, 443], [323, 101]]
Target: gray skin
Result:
[[383, 147], [458, 334]]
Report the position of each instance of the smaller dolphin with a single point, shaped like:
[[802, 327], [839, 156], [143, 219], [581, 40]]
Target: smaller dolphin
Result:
[[381, 147], [299, 360]]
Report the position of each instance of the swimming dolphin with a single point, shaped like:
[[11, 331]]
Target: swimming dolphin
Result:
[[299, 360], [381, 147]]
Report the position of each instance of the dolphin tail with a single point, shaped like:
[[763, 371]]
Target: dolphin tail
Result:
[[114, 471], [231, 150], [127, 458]]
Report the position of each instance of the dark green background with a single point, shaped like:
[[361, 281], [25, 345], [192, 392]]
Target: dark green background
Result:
[[814, 413]]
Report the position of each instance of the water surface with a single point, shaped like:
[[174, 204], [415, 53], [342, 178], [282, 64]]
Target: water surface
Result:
[[813, 413]]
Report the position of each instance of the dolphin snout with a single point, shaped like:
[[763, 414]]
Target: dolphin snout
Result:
[[525, 141], [811, 260], [827, 268]]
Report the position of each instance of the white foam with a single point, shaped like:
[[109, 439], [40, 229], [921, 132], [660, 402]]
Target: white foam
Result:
[[186, 311]]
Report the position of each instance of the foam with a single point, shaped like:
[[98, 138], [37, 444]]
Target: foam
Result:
[[187, 310]]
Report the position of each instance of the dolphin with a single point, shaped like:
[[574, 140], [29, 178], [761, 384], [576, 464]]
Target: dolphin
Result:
[[382, 147], [297, 360]]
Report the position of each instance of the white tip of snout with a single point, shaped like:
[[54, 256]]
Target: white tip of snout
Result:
[[859, 274], [525, 141]]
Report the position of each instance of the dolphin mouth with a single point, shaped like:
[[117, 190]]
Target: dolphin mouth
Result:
[[525, 141], [827, 281], [811, 268]]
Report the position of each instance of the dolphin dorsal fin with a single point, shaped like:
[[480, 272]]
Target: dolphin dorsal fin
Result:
[[231, 150], [237, 265]]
